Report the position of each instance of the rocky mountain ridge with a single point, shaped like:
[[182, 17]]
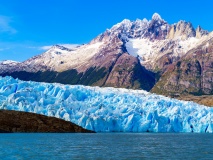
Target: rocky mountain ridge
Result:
[[154, 34], [132, 54]]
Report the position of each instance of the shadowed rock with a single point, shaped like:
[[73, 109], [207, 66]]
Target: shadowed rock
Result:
[[14, 121]]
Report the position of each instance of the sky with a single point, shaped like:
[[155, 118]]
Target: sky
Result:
[[29, 27]]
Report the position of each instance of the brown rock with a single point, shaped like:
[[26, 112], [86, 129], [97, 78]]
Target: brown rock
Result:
[[191, 75], [181, 29], [14, 121]]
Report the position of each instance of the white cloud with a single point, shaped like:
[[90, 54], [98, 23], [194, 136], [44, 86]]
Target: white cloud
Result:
[[69, 46], [5, 25]]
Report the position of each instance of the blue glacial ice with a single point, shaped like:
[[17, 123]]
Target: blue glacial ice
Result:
[[106, 109]]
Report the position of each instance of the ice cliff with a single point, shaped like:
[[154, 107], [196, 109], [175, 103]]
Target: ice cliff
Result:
[[106, 109]]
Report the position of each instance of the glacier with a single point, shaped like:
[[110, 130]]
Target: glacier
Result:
[[106, 109]]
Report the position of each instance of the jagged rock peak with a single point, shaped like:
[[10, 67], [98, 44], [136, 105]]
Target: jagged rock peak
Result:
[[182, 30], [198, 28], [156, 16], [200, 32], [126, 21], [139, 20], [156, 28]]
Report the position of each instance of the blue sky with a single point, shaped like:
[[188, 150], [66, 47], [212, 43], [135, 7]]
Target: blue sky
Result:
[[26, 27]]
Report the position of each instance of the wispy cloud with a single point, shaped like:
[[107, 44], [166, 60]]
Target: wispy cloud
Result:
[[5, 25], [3, 49], [70, 46], [45, 47]]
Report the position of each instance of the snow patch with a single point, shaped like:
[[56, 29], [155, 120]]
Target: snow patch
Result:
[[139, 47], [150, 51], [188, 44]]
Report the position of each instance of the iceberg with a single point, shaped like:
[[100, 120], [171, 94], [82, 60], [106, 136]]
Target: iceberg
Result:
[[106, 109]]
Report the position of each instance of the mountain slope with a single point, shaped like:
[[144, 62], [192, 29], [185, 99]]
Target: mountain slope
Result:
[[89, 64], [192, 74]]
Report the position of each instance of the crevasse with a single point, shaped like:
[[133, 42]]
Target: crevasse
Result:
[[106, 109]]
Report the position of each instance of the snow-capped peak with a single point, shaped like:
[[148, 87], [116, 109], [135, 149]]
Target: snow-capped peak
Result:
[[60, 47], [145, 20], [156, 16], [156, 28], [8, 62], [126, 21]]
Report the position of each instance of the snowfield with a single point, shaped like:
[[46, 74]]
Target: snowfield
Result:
[[106, 109], [150, 51]]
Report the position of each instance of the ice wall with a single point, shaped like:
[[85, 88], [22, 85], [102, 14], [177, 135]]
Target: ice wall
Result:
[[106, 109]]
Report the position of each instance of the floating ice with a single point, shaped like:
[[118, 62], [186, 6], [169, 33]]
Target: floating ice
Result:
[[106, 109]]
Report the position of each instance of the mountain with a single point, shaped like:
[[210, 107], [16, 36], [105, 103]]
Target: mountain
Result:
[[141, 54]]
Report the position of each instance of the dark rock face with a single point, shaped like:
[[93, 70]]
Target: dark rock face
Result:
[[92, 76], [14, 121], [128, 73]]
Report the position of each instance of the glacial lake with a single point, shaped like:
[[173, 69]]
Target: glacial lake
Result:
[[106, 146]]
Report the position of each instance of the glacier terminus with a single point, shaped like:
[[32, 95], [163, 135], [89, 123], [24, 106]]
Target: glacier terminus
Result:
[[105, 109]]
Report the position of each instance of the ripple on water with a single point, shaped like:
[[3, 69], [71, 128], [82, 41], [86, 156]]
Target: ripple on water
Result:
[[106, 146]]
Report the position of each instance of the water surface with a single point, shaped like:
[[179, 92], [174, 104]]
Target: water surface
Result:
[[106, 146]]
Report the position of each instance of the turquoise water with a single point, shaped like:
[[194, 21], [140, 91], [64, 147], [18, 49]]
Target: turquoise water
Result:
[[106, 146]]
